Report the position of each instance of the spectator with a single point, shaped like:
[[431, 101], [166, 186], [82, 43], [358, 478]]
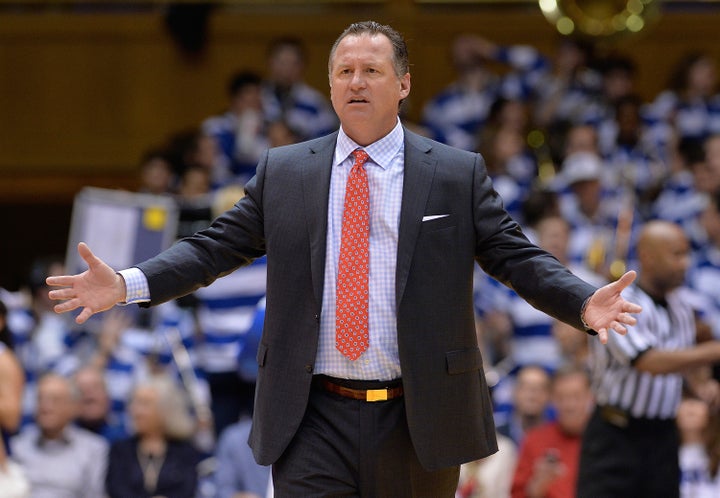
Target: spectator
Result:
[[12, 381], [41, 343], [634, 162], [705, 272], [156, 173], [490, 477], [693, 420], [549, 455], [158, 460], [194, 200], [530, 399], [94, 413], [192, 148], [573, 350], [286, 97], [502, 142], [240, 132], [281, 133], [59, 459], [237, 475], [456, 115], [584, 208], [683, 202], [712, 448], [618, 82], [690, 104], [566, 91]]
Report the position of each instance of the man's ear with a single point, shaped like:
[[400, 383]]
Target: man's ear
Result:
[[405, 86]]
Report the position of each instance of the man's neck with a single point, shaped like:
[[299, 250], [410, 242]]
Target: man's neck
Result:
[[657, 295]]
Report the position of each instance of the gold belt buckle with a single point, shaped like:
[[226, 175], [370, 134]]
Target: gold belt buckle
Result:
[[376, 395]]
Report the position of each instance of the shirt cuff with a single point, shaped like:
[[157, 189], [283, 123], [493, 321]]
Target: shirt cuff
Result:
[[136, 285]]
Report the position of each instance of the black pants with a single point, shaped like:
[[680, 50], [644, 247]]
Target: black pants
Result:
[[628, 457], [350, 448]]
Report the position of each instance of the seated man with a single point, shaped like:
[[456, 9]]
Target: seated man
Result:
[[549, 455], [59, 459], [237, 474], [94, 412]]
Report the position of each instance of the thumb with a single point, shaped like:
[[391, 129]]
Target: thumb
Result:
[[625, 280], [87, 255]]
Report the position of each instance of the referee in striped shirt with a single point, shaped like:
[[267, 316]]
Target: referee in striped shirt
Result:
[[630, 446]]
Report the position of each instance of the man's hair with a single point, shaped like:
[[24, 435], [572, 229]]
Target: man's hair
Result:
[[290, 42], [241, 80], [570, 370], [372, 28]]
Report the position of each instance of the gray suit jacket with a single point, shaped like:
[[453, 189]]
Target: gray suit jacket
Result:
[[284, 215]]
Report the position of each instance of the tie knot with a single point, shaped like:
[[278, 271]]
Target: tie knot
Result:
[[361, 156]]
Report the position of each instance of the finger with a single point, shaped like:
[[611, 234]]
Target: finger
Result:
[[629, 307], [84, 315], [60, 281], [62, 294], [66, 306], [602, 334], [618, 327], [627, 319]]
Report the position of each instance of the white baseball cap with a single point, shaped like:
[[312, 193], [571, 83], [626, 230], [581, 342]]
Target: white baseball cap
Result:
[[581, 167]]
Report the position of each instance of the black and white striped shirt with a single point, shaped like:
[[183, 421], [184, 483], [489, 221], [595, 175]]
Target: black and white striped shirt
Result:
[[668, 326]]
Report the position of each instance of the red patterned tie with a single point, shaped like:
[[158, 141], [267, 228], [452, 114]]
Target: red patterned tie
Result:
[[351, 315]]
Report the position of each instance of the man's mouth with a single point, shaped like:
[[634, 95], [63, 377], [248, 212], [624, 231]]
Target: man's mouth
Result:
[[358, 101]]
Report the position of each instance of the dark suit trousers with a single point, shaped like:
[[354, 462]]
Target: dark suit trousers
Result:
[[345, 447], [636, 459]]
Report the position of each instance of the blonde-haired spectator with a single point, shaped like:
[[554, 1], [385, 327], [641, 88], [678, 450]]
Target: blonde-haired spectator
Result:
[[159, 459]]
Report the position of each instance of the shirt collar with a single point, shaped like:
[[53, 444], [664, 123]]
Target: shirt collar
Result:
[[65, 438], [380, 152]]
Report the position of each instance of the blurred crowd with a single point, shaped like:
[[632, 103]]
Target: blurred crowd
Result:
[[157, 402]]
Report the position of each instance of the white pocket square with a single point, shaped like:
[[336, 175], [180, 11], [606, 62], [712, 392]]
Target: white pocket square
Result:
[[434, 217]]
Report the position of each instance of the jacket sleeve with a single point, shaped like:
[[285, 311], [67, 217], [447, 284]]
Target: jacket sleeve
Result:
[[234, 239], [503, 251]]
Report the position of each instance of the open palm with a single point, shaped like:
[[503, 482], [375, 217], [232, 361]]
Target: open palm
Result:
[[97, 289]]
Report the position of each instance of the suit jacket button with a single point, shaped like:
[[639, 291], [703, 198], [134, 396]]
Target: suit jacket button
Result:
[[309, 369], [317, 317]]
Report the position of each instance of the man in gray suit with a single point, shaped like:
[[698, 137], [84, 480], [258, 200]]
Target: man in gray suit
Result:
[[396, 418]]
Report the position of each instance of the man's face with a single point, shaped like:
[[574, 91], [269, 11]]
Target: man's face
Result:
[[572, 399], [669, 262], [532, 392], [94, 400], [56, 407], [286, 66], [364, 88]]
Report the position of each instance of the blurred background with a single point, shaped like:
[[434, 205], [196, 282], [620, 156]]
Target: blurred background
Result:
[[88, 87]]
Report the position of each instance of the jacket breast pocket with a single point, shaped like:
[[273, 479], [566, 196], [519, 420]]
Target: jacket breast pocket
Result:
[[436, 224], [463, 360]]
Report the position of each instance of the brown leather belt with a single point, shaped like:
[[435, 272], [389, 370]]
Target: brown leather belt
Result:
[[369, 395]]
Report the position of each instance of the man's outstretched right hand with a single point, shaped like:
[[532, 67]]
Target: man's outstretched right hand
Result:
[[97, 289]]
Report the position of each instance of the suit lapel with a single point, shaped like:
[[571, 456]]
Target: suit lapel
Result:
[[316, 189], [418, 176]]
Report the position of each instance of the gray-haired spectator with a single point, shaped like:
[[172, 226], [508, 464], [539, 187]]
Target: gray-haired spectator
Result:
[[59, 459], [159, 459]]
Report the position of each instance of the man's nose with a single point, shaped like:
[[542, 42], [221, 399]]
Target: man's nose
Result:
[[357, 80]]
